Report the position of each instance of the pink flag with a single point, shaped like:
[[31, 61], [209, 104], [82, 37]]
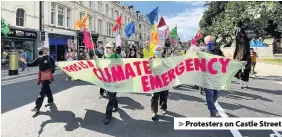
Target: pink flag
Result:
[[87, 40]]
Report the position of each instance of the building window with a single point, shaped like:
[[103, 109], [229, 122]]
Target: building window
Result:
[[53, 14], [60, 16], [140, 36], [128, 21], [90, 4], [68, 17], [112, 12], [81, 15], [100, 7], [90, 23], [107, 11], [100, 26], [116, 14], [140, 26], [125, 21], [20, 17]]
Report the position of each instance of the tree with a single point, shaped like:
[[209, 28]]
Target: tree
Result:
[[221, 19]]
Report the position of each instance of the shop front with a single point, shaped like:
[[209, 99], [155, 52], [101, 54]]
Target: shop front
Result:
[[58, 45], [19, 39]]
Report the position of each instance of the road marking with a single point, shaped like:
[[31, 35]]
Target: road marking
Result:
[[276, 133], [220, 110], [272, 79], [23, 79]]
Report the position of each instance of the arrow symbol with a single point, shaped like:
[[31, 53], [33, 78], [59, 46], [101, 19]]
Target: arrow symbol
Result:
[[180, 124]]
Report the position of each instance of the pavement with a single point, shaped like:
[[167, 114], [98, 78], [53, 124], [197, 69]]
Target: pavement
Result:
[[78, 111]]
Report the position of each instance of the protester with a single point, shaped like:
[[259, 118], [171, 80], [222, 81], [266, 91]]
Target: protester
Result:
[[163, 95], [211, 94], [100, 51], [45, 77], [113, 103], [23, 55], [147, 51], [253, 60], [133, 52]]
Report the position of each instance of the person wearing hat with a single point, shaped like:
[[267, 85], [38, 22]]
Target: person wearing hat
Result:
[[113, 103], [162, 95], [46, 69]]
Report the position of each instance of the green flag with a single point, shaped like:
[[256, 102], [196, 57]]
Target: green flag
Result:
[[173, 33], [4, 27]]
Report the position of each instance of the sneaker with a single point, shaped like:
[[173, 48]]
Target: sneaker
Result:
[[115, 109], [49, 104], [213, 114], [164, 112], [67, 79], [107, 120], [154, 116], [35, 110]]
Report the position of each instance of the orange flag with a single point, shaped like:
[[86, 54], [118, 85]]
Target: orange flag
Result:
[[82, 23], [154, 35]]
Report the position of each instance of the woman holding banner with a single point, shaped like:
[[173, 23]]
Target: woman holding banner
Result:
[[113, 103], [163, 95]]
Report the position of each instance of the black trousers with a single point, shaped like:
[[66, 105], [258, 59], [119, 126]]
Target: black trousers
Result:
[[111, 104], [102, 91], [163, 95], [45, 90]]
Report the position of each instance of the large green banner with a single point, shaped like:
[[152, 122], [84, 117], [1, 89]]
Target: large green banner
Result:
[[147, 76]]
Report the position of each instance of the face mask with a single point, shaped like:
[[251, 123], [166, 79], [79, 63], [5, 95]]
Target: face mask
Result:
[[210, 46], [100, 51], [158, 53]]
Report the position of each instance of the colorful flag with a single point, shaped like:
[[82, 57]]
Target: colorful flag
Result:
[[4, 27], [173, 33], [82, 23], [154, 35], [196, 38], [129, 29], [162, 22], [153, 16], [87, 40], [118, 24]]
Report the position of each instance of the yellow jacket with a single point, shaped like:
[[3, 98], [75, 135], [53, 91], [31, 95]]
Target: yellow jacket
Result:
[[148, 53]]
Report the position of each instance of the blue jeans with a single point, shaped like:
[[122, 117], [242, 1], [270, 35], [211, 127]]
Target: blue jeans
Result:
[[211, 97]]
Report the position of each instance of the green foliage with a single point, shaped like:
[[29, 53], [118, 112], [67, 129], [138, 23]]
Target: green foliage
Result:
[[221, 18]]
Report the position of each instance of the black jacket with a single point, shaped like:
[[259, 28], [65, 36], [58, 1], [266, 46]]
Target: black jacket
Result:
[[215, 51], [44, 62]]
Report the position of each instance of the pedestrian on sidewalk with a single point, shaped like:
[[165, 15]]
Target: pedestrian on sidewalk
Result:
[[46, 69], [211, 94], [162, 95], [23, 55], [254, 57]]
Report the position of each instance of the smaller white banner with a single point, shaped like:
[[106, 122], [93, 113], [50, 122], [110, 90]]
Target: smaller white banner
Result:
[[118, 41], [161, 34], [250, 123]]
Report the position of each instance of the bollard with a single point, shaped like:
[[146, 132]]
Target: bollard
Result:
[[13, 63]]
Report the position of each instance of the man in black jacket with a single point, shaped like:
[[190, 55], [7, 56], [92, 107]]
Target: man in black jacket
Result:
[[211, 94]]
